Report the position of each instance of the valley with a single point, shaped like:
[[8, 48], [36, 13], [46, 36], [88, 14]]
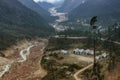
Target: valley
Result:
[[59, 40]]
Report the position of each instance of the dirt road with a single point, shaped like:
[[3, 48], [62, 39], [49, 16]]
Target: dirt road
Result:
[[80, 71]]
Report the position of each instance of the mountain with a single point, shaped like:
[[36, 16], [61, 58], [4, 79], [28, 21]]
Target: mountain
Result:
[[45, 5], [69, 5], [59, 3], [106, 9], [18, 22], [37, 8]]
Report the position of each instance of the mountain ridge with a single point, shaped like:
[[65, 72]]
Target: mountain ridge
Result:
[[69, 5], [37, 8], [96, 7]]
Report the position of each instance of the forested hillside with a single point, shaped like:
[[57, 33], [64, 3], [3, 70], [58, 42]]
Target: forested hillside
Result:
[[18, 22], [105, 9]]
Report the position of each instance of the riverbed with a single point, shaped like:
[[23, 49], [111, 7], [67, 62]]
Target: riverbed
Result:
[[62, 17]]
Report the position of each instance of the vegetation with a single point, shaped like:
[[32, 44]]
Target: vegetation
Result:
[[55, 62], [70, 32], [63, 43], [107, 64], [57, 71], [89, 76]]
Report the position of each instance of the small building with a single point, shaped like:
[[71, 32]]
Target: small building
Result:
[[64, 51], [87, 52], [97, 57], [102, 56], [79, 51], [91, 52], [76, 51]]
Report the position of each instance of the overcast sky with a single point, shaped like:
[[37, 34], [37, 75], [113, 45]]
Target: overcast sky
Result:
[[51, 1]]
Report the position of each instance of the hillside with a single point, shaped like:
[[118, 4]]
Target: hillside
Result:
[[37, 8], [69, 5], [18, 22], [106, 9]]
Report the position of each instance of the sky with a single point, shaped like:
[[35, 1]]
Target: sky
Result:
[[50, 1]]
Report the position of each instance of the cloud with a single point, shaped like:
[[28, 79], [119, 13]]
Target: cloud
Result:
[[50, 1]]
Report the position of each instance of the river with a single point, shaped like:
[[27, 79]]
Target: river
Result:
[[62, 17], [23, 53]]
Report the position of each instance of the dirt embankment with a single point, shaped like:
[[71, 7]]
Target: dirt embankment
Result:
[[31, 68]]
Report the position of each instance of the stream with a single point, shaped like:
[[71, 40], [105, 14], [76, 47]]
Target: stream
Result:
[[23, 53]]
